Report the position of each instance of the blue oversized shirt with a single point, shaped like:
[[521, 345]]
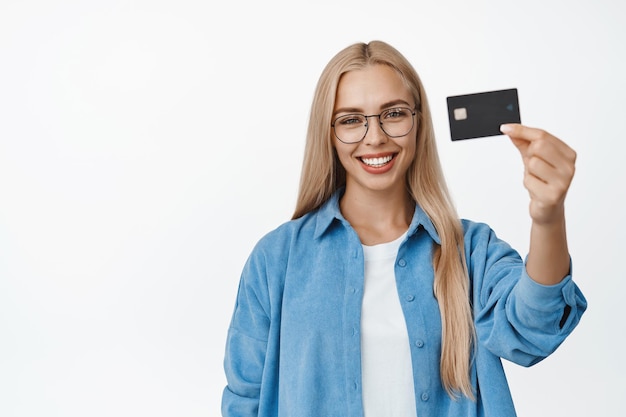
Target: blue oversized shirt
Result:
[[293, 347]]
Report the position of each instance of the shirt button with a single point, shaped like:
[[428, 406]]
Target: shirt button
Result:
[[354, 331], [351, 290], [402, 263], [419, 343], [425, 396], [356, 385], [410, 298]]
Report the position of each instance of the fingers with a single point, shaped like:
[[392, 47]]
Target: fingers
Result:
[[537, 142], [545, 183], [549, 166], [516, 130]]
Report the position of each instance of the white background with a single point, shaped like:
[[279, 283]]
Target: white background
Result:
[[145, 146]]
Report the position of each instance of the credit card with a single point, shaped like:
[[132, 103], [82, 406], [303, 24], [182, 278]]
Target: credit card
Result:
[[480, 115]]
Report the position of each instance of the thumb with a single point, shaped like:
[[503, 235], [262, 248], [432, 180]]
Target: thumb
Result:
[[521, 144]]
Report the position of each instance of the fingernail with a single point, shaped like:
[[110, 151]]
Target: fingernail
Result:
[[506, 128]]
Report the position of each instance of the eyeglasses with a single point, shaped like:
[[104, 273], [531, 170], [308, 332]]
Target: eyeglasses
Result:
[[395, 122]]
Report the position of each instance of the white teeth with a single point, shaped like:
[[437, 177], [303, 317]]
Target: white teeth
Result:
[[377, 162]]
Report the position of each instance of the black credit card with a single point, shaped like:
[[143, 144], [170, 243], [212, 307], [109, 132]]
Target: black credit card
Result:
[[481, 114]]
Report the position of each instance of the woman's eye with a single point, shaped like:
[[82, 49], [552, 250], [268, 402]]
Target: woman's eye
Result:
[[395, 113], [351, 120]]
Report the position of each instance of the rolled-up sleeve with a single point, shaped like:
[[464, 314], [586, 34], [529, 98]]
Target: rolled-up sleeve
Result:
[[517, 318], [246, 344]]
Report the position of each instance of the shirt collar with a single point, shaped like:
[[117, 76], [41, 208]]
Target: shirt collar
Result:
[[330, 212]]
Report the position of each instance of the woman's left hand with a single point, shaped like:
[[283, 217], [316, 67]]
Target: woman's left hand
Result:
[[549, 166]]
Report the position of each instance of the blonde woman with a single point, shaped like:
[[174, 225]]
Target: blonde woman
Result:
[[375, 299]]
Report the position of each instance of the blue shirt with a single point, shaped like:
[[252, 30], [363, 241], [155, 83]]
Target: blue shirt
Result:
[[293, 346]]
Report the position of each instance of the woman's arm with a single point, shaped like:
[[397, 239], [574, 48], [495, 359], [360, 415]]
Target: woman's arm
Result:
[[548, 171], [247, 342]]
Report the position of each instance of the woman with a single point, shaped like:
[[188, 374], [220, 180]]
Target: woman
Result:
[[376, 299]]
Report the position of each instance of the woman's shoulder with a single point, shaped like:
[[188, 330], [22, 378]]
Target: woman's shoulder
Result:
[[287, 232], [477, 233], [479, 238], [471, 228]]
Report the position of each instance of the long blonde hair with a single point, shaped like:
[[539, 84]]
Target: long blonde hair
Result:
[[322, 175]]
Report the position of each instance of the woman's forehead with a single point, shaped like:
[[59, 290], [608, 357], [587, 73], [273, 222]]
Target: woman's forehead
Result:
[[372, 86]]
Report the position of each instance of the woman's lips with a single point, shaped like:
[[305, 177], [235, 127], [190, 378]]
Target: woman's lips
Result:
[[377, 161], [377, 164]]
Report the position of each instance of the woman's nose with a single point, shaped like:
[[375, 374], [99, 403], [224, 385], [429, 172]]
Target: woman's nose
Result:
[[375, 134]]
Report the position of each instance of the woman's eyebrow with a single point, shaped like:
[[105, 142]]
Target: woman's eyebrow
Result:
[[347, 110], [394, 103], [359, 110]]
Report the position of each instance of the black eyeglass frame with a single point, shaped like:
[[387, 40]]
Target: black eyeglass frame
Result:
[[380, 123]]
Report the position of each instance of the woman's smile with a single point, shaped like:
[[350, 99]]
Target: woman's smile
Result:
[[379, 163]]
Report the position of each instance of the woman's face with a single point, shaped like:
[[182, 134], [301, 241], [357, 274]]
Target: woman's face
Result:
[[379, 162]]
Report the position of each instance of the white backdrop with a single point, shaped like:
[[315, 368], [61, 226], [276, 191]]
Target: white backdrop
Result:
[[145, 146]]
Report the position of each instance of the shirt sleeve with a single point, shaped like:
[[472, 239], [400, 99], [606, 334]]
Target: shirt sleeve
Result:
[[517, 318], [247, 341]]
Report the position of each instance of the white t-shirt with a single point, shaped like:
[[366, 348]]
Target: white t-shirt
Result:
[[385, 355]]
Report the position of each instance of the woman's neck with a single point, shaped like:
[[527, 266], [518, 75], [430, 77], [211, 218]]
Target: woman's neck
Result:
[[378, 217]]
